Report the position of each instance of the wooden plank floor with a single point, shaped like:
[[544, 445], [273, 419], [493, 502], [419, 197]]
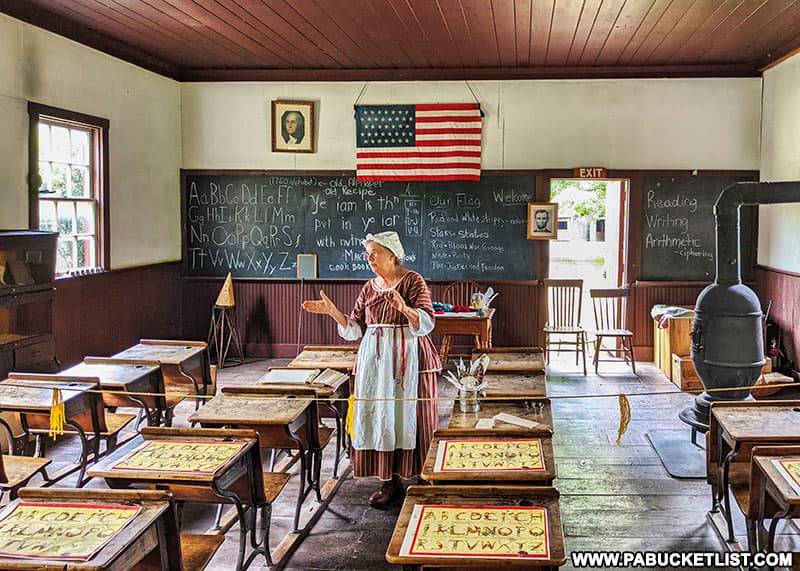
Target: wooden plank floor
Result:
[[612, 497]]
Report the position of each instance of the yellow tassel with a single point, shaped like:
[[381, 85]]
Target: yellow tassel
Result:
[[57, 415], [350, 419], [624, 417]]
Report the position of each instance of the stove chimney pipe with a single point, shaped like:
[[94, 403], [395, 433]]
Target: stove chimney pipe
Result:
[[727, 341]]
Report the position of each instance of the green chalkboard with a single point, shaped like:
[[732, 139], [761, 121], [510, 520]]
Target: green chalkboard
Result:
[[679, 229], [254, 225]]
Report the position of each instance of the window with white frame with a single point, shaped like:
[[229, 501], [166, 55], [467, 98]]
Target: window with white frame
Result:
[[70, 161]]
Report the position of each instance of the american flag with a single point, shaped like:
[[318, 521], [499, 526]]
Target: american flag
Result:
[[418, 142]]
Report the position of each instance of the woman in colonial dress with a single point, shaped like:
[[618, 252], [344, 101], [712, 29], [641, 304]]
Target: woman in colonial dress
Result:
[[396, 370]]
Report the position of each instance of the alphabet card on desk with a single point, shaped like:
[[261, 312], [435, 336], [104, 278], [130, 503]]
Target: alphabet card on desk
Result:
[[61, 530], [178, 456], [490, 532], [489, 454]]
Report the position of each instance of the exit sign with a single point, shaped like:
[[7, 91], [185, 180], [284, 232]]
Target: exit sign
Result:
[[589, 172]]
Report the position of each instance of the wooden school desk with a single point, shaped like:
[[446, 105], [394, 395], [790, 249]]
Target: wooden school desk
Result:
[[185, 364], [152, 531], [734, 428], [537, 411], [479, 466], [239, 480], [331, 389], [490, 496], [123, 376], [477, 326], [515, 385], [339, 357], [120, 376], [83, 410], [279, 422], [514, 359], [777, 498]]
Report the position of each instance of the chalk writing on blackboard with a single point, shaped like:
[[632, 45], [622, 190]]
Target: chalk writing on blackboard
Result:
[[678, 226], [255, 225], [665, 217]]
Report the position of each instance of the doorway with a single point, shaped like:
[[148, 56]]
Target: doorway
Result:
[[591, 240]]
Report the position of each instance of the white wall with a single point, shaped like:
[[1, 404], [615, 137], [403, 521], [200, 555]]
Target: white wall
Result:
[[780, 161], [618, 124], [145, 137]]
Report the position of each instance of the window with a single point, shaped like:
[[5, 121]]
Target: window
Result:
[[69, 166]]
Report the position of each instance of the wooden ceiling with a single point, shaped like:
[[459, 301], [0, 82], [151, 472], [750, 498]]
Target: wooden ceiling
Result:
[[307, 40]]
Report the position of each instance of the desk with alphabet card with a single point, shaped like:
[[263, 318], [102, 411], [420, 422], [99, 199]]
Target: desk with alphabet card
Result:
[[734, 429], [513, 359], [478, 527], [281, 421], [489, 457], [775, 483], [83, 412], [198, 465], [529, 417], [185, 364], [339, 357], [107, 530]]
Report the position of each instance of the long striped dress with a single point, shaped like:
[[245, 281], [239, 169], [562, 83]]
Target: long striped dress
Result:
[[371, 308]]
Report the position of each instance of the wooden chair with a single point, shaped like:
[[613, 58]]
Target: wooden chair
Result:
[[457, 293], [563, 299], [16, 471], [609, 307]]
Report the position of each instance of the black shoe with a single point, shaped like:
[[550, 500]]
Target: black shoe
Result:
[[388, 491]]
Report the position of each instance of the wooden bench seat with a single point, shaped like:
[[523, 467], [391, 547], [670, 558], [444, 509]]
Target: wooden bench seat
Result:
[[16, 471], [197, 549], [114, 423]]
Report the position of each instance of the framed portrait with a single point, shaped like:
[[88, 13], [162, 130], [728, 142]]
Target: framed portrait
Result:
[[542, 220], [293, 127]]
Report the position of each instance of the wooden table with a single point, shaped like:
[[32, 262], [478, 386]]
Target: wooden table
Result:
[[83, 410], [734, 428], [239, 480], [339, 357], [122, 376], [514, 359], [331, 389], [478, 326], [491, 496], [529, 410], [280, 422], [515, 385], [774, 490], [474, 463], [152, 531], [182, 362]]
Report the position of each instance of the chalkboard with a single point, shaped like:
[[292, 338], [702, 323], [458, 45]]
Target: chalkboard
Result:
[[678, 226], [255, 225]]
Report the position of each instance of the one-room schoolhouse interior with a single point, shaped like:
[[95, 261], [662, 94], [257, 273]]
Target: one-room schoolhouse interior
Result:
[[399, 285]]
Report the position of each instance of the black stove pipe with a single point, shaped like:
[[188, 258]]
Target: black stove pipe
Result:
[[727, 341]]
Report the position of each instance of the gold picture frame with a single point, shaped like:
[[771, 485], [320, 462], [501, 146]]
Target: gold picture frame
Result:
[[542, 220], [293, 127]]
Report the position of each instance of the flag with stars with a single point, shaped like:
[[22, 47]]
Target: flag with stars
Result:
[[418, 142]]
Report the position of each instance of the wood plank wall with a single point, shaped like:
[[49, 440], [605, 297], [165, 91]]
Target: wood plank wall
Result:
[[783, 289], [267, 313], [102, 314], [644, 295]]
